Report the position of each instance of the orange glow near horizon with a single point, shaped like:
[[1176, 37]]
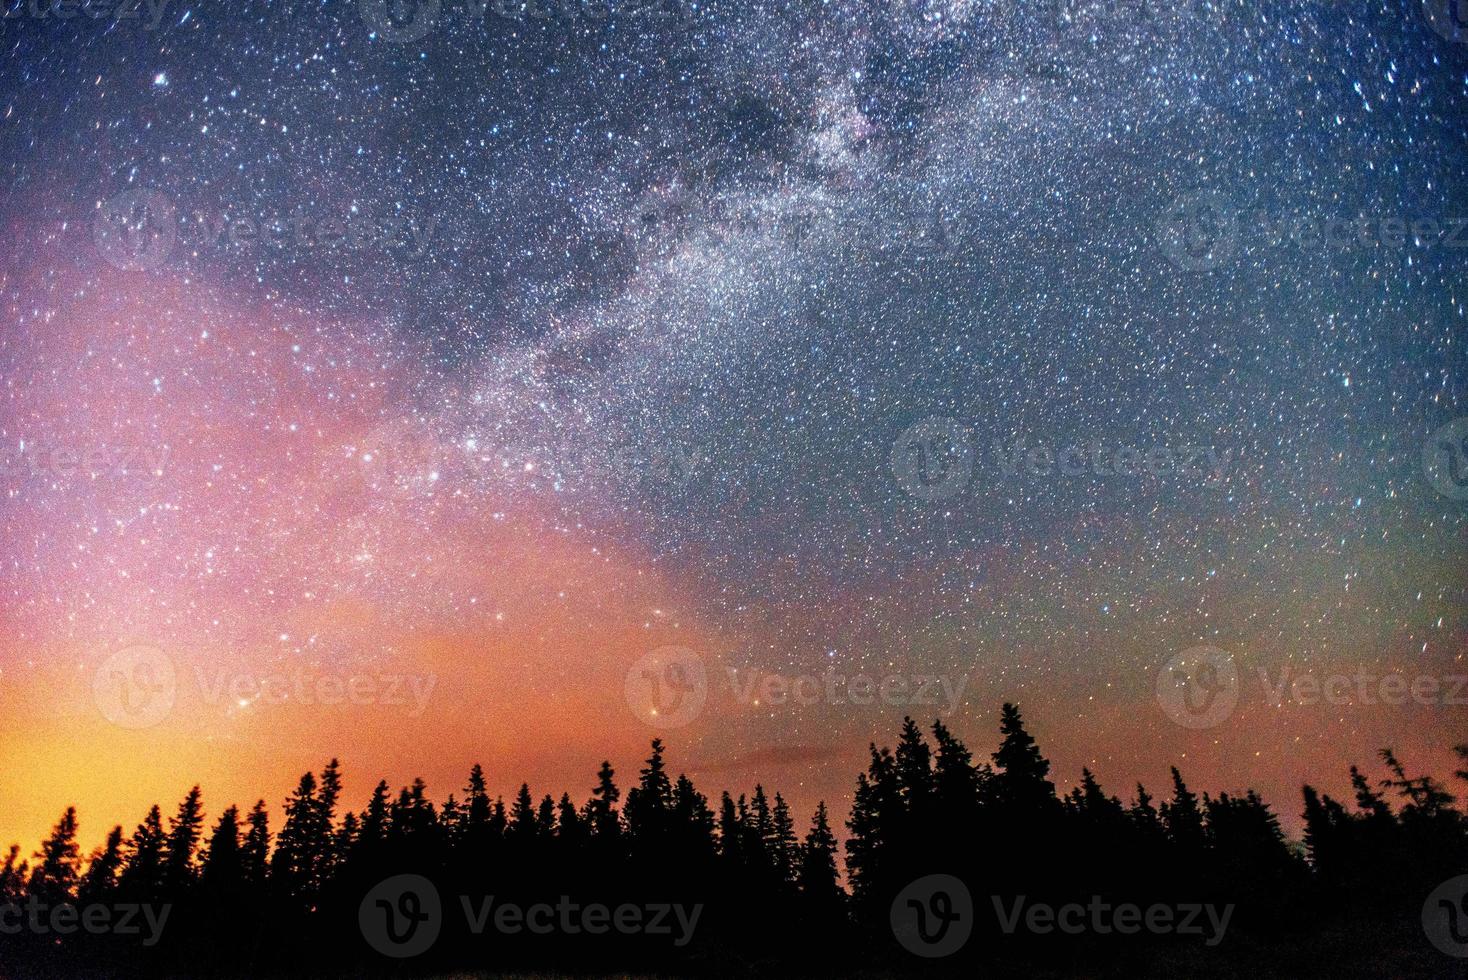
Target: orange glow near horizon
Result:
[[307, 522]]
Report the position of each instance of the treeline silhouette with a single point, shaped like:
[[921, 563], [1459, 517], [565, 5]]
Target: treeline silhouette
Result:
[[245, 898]]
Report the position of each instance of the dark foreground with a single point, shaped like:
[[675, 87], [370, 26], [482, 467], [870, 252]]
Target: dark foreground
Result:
[[952, 868]]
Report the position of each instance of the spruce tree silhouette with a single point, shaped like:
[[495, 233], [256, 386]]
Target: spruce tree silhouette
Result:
[[103, 868], [56, 877], [14, 875], [255, 852], [179, 845], [223, 876], [767, 900], [823, 901], [142, 868]]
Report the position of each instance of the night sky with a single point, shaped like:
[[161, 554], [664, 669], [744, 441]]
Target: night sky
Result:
[[498, 350]]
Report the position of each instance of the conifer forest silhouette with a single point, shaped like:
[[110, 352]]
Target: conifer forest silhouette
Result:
[[947, 864]]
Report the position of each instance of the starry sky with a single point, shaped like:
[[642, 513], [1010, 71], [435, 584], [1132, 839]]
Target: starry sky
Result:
[[499, 347]]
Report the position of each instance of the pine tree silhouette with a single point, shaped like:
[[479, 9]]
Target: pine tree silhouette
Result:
[[142, 868], [180, 844], [223, 874], [58, 873], [103, 868], [293, 903], [819, 881], [255, 852]]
